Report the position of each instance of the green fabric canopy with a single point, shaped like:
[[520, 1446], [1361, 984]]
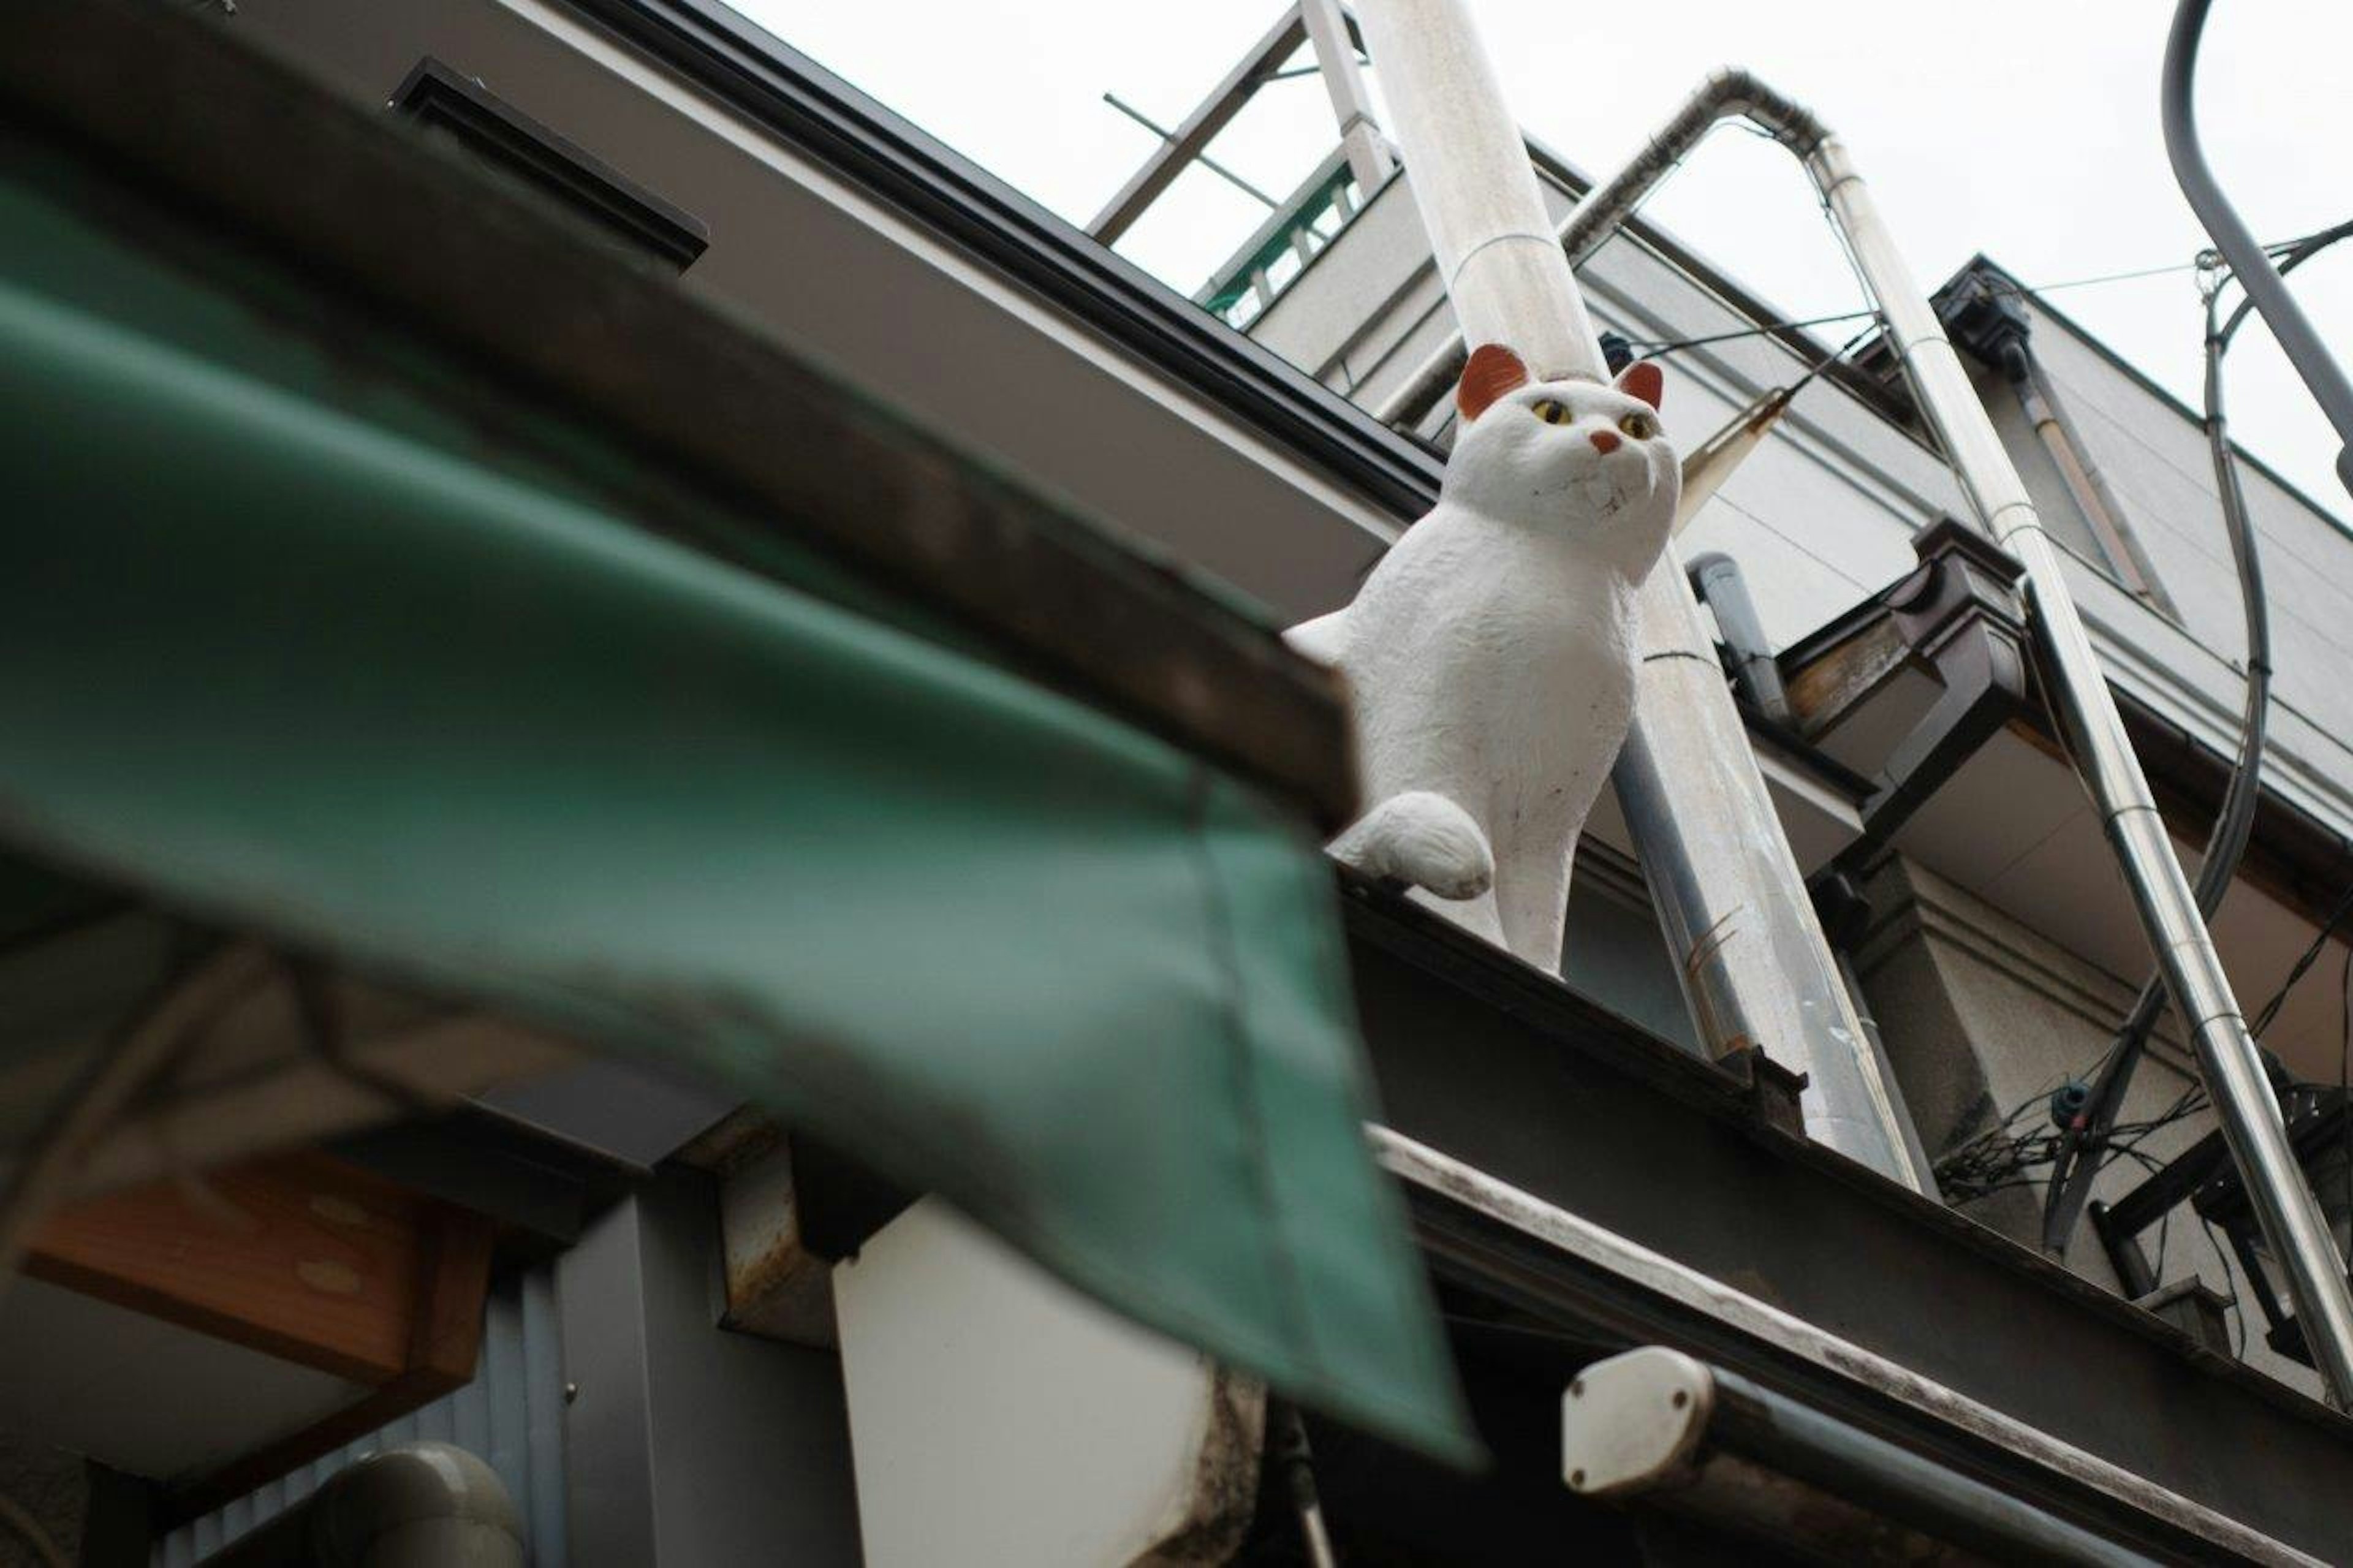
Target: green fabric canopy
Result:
[[296, 670]]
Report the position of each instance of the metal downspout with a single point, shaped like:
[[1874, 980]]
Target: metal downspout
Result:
[[1755, 967], [1716, 579], [2227, 1057]]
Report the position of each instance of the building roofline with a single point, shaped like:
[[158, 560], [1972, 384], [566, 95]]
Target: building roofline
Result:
[[1982, 262], [822, 117]]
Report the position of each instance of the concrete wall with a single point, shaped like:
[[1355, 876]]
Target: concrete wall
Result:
[[1980, 1014]]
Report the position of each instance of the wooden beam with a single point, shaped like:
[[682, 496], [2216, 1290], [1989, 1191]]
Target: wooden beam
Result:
[[299, 1257]]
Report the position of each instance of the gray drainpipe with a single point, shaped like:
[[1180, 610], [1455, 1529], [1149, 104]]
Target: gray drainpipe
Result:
[[1983, 315], [1716, 579], [1838, 898]]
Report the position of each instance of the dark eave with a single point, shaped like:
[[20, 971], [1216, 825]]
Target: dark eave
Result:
[[521, 293]]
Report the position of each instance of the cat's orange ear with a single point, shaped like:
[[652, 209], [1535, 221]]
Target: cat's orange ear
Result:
[[1493, 370], [1643, 379]]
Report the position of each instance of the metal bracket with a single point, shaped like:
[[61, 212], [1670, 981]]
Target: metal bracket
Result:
[[1772, 1088], [1960, 613]]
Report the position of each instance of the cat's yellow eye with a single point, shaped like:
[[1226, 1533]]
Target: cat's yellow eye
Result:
[[1549, 411], [1640, 426]]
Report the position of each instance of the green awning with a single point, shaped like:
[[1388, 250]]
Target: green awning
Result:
[[297, 670]]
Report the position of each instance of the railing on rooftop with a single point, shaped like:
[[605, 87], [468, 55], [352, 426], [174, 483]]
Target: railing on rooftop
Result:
[[1302, 224], [1293, 235]]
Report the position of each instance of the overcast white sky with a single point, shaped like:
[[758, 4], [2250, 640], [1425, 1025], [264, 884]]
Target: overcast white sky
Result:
[[2026, 129]]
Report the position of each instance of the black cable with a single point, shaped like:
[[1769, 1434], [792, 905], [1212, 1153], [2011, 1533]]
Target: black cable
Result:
[[2238, 1309], [1999, 1159], [2080, 1160], [2303, 964]]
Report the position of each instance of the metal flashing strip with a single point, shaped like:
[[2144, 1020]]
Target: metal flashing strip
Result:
[[781, 90], [1423, 1167]]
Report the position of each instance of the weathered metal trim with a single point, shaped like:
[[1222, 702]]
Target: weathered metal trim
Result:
[[1426, 1168], [777, 1287], [826, 119], [1959, 615]]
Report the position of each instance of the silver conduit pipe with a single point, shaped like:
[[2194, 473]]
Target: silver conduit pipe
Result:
[[1726, 94], [2081, 1151], [2227, 1058], [1749, 949]]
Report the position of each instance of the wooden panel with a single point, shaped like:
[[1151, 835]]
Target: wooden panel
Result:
[[298, 1255]]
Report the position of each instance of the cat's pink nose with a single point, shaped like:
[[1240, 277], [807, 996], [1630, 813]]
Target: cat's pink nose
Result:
[[1605, 441]]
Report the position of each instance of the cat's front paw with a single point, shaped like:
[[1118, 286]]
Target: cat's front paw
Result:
[[1423, 839]]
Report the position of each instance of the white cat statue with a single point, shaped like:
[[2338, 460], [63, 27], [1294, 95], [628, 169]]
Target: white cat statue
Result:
[[1489, 654]]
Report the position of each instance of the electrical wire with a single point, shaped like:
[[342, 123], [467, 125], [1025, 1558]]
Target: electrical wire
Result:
[[2238, 1309], [2001, 1159], [1656, 346], [2079, 1159], [2303, 964]]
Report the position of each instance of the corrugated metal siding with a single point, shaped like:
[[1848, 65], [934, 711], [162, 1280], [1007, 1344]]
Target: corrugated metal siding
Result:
[[511, 1415]]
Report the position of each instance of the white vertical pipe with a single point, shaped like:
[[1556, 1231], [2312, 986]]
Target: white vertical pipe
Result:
[[1495, 244], [1756, 970]]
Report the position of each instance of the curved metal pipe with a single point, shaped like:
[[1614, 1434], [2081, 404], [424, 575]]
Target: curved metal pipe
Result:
[[2322, 374], [2228, 1060], [1728, 93]]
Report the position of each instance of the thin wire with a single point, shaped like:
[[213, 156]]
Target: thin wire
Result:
[[2232, 1305], [2303, 965], [2113, 277], [1669, 345]]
